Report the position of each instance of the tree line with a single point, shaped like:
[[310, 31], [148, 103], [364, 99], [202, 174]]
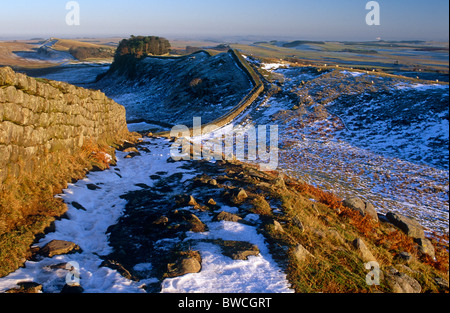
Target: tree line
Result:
[[139, 46]]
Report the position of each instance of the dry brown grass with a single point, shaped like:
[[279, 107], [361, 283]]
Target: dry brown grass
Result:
[[327, 232], [27, 203]]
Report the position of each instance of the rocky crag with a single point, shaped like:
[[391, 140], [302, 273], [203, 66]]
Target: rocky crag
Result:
[[168, 91]]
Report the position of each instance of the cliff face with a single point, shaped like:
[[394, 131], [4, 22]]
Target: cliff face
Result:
[[38, 117]]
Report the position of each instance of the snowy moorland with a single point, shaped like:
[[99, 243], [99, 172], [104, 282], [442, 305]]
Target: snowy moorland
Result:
[[353, 133]]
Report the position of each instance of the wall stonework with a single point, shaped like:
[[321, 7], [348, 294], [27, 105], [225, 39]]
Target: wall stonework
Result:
[[39, 116]]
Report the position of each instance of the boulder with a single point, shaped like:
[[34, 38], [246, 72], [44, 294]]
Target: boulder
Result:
[[296, 221], [364, 208], [277, 227], [187, 262], [237, 250], [58, 247], [400, 282], [363, 251], [408, 225], [72, 289], [112, 264], [241, 195], [301, 254], [26, 287], [426, 247], [186, 200], [188, 221], [405, 256], [226, 216]]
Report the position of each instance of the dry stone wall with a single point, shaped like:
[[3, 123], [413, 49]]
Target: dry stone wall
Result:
[[38, 117]]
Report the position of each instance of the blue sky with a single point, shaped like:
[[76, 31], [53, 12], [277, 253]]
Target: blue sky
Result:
[[299, 19]]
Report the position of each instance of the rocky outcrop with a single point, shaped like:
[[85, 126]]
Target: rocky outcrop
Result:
[[58, 247], [400, 282], [364, 208], [38, 117], [408, 225], [364, 252]]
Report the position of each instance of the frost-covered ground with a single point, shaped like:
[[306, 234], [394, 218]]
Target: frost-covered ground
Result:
[[81, 74], [104, 206], [387, 143]]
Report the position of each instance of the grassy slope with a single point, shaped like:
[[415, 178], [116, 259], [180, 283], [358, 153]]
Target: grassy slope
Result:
[[327, 232]]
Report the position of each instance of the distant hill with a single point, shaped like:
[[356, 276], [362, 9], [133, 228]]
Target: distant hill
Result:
[[297, 43]]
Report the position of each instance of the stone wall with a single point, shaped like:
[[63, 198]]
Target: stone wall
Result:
[[38, 117]]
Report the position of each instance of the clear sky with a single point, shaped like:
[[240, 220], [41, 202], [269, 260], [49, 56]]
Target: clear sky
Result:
[[298, 19]]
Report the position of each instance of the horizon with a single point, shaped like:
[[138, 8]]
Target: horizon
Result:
[[324, 20]]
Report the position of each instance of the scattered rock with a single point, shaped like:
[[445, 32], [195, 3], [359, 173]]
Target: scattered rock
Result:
[[212, 202], [119, 268], [426, 247], [192, 201], [441, 282], [189, 221], [408, 225], [131, 149], [363, 251], [278, 227], [279, 182], [72, 289], [26, 287], [226, 216], [405, 269], [400, 282], [58, 247], [405, 256], [185, 200], [78, 206], [162, 220], [302, 254], [297, 222], [126, 145], [132, 155], [241, 195], [237, 250], [92, 187], [364, 208], [336, 236], [187, 262]]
